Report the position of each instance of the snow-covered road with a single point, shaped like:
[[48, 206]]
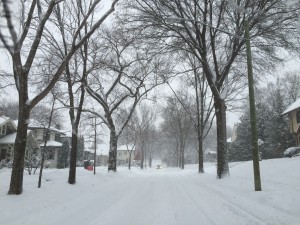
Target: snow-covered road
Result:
[[167, 196]]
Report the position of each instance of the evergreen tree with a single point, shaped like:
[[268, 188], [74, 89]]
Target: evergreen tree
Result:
[[240, 150], [63, 154], [272, 127], [278, 138]]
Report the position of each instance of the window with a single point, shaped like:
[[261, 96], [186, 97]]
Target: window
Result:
[[57, 138], [3, 130], [50, 153], [3, 154], [298, 116]]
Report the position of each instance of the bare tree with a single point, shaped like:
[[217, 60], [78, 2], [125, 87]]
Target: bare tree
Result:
[[201, 111], [213, 31], [291, 86], [130, 135], [145, 119], [127, 74], [69, 19], [33, 20], [177, 125]]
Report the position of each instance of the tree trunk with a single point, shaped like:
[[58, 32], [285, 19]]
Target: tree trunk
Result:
[[112, 157], [73, 155], [16, 182], [129, 163], [182, 158], [222, 162], [150, 157], [143, 155], [200, 155]]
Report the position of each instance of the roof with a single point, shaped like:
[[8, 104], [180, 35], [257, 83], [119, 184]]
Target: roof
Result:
[[51, 144], [126, 148], [10, 138], [35, 124], [8, 122], [3, 119], [292, 107]]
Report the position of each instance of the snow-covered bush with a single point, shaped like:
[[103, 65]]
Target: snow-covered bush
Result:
[[290, 152]]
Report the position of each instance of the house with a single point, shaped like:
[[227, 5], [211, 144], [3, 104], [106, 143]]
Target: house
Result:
[[101, 154], [8, 133], [293, 112], [53, 143], [210, 155], [123, 154]]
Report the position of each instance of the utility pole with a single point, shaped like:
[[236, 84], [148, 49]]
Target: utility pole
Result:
[[95, 143], [255, 154]]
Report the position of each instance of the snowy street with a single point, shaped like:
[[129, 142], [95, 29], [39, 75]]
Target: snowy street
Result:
[[158, 196]]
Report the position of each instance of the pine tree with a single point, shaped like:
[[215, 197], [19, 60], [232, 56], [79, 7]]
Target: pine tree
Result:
[[278, 136], [240, 150], [62, 160]]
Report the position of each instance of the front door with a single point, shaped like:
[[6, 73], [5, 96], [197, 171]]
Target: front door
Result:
[[3, 154]]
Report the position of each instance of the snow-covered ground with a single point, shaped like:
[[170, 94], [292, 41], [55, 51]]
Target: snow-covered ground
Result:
[[166, 196]]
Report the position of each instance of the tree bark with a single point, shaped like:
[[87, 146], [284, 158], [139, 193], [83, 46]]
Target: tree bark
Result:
[[222, 168], [112, 156], [16, 181], [200, 155], [143, 155], [182, 157], [129, 163], [73, 155]]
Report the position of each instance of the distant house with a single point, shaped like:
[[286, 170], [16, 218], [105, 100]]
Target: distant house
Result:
[[8, 132], [101, 154], [210, 155], [123, 154], [293, 112]]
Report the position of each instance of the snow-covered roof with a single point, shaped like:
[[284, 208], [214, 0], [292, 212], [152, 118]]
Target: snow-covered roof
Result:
[[35, 124], [52, 144], [212, 152], [292, 107], [10, 138], [3, 119], [67, 133], [126, 147]]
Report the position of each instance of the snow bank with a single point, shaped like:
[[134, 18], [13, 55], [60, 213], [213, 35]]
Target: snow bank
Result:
[[167, 196]]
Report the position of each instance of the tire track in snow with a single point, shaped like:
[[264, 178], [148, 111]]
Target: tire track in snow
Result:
[[213, 203], [270, 212]]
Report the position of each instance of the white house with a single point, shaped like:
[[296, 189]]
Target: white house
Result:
[[124, 152], [35, 140], [7, 140], [53, 143]]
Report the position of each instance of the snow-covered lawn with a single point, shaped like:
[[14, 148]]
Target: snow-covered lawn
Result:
[[166, 196]]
